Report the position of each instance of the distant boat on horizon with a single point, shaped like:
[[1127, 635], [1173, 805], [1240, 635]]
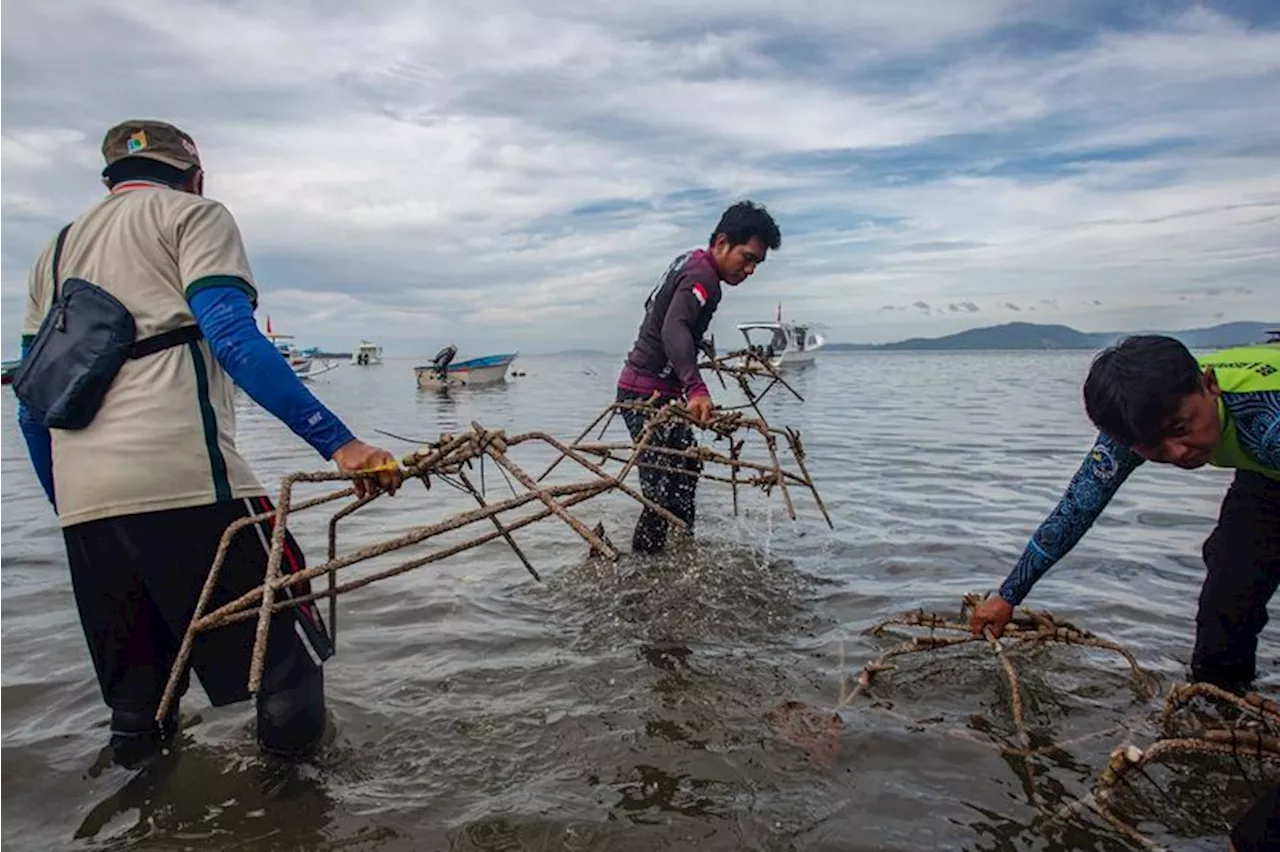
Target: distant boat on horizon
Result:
[[367, 354]]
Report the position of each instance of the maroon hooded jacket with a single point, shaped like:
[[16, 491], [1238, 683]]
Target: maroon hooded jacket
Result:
[[677, 313]]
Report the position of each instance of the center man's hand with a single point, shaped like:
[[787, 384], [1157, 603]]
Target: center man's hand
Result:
[[702, 408]]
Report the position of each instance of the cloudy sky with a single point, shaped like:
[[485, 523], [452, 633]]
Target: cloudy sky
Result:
[[421, 173]]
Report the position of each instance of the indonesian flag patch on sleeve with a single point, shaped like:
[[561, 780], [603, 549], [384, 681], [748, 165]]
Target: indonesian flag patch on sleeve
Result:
[[700, 293]]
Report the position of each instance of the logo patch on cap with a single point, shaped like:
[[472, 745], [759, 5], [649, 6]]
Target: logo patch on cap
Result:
[[191, 147], [136, 142]]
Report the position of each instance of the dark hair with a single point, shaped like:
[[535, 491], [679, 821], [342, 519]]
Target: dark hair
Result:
[[745, 220], [145, 168], [1136, 386]]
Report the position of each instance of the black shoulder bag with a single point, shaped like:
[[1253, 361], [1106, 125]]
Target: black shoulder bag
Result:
[[81, 346]]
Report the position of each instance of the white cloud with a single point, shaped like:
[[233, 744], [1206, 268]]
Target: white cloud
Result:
[[413, 169]]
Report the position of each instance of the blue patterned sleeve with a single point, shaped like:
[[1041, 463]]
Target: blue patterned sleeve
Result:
[[1104, 470], [1257, 417]]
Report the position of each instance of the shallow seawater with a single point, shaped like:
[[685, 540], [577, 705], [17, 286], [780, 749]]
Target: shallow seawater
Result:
[[625, 705]]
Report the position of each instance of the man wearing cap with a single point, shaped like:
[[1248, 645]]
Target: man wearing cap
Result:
[[145, 491]]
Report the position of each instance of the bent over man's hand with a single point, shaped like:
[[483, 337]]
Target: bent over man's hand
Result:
[[995, 612], [356, 456]]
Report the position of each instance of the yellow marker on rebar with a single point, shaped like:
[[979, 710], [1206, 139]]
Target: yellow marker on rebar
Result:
[[386, 466]]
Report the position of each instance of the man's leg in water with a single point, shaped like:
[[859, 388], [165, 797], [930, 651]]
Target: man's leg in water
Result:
[[129, 642], [683, 487], [650, 534], [290, 704], [171, 553], [1242, 556]]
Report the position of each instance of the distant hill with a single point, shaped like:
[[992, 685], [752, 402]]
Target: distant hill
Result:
[[1227, 334], [1028, 335]]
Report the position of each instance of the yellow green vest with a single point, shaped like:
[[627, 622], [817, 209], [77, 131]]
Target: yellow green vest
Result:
[[1243, 369]]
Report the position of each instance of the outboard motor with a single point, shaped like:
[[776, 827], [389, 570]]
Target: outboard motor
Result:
[[442, 360]]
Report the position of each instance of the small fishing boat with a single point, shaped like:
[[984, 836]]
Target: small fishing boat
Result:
[[366, 354], [315, 368], [786, 345], [304, 366], [8, 369], [444, 373]]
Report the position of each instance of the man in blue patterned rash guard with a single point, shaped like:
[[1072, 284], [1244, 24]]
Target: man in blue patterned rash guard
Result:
[[1154, 401]]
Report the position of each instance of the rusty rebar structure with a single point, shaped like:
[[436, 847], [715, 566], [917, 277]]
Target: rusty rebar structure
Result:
[[1028, 628], [742, 366], [1253, 734], [735, 427], [817, 730], [448, 460]]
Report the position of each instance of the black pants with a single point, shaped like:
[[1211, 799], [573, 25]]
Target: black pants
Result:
[[674, 490], [1243, 560], [137, 579]]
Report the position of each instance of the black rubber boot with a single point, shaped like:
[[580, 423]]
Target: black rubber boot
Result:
[[135, 736], [292, 718]]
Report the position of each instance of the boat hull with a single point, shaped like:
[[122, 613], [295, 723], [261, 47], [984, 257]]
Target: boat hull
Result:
[[308, 368], [795, 360], [489, 370]]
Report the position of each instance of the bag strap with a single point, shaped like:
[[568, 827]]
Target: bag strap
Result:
[[165, 340], [57, 257], [146, 346]]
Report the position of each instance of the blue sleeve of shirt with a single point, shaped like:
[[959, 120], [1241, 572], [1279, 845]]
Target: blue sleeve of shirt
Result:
[[39, 442], [1104, 470], [1257, 417], [225, 315]]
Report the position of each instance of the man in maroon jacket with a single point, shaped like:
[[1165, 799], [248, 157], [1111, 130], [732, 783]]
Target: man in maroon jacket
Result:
[[665, 356]]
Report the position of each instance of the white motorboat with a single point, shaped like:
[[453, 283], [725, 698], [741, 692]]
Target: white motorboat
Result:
[[367, 354], [786, 345]]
